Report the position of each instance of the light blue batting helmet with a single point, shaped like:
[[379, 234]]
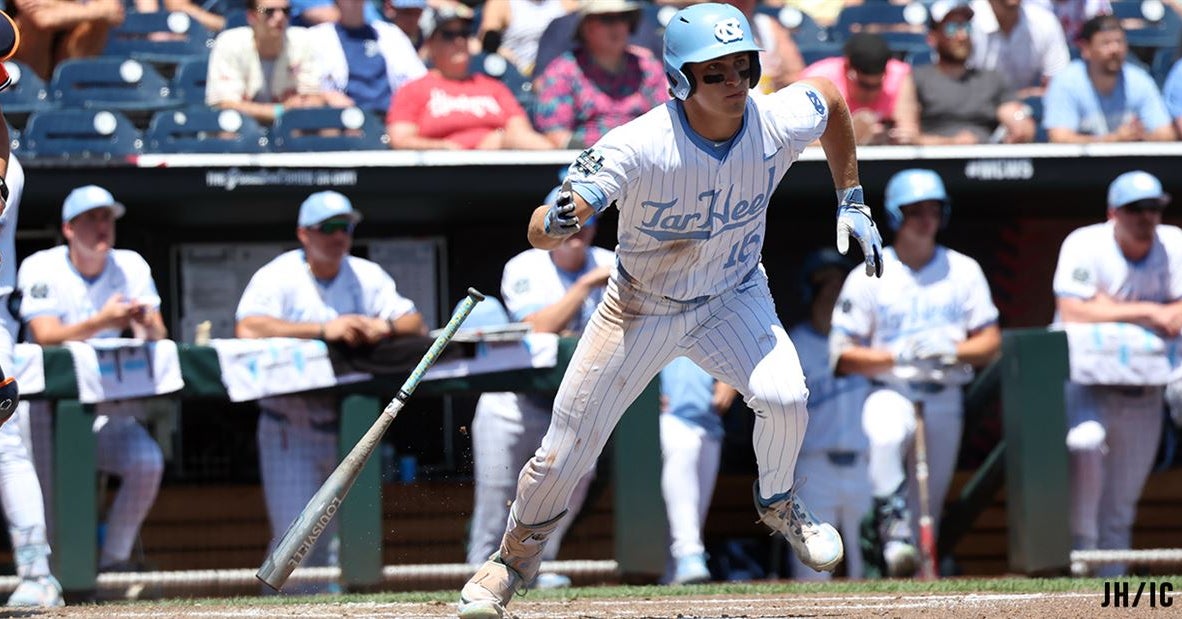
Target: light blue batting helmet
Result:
[[704, 32], [911, 186], [1136, 186]]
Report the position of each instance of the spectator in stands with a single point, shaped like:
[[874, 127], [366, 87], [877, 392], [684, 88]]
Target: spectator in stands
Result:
[[1172, 92], [878, 89], [1073, 13], [309, 13], [212, 21], [834, 456], [601, 84], [365, 62], [267, 66], [512, 28], [780, 61], [824, 12], [55, 30], [1123, 270], [559, 38], [1020, 39], [87, 289], [451, 108], [959, 104], [316, 292], [1102, 98], [406, 15]]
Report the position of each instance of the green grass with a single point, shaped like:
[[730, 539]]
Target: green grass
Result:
[[897, 587]]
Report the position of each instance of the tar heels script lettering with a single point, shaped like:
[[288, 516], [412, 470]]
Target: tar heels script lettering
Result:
[[663, 222]]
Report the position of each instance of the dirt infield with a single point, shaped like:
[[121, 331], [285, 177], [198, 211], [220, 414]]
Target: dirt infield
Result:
[[974, 605]]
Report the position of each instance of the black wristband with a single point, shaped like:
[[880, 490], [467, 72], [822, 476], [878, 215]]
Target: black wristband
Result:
[[3, 189]]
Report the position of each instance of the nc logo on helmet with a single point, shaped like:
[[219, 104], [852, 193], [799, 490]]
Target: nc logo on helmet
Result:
[[728, 30]]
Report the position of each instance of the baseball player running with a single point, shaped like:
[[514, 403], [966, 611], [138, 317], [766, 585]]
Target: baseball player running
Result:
[[1127, 269], [917, 333], [692, 179], [833, 457], [554, 291]]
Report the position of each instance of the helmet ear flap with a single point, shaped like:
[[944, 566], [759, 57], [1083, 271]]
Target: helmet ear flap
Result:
[[681, 88], [756, 69]]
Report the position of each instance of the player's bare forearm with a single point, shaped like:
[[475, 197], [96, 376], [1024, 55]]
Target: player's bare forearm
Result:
[[838, 138], [49, 330], [555, 317], [1102, 308], [537, 224], [980, 347], [864, 360], [408, 324], [151, 328], [269, 326]]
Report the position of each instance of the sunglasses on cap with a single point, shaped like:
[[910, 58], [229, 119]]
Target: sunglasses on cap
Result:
[[270, 11], [612, 18], [1148, 205], [452, 35], [334, 226], [952, 28]]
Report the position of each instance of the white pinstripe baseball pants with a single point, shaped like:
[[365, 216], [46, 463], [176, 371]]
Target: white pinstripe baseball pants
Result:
[[735, 336]]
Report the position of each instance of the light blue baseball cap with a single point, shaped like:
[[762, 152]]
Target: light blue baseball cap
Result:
[[1136, 186], [324, 205], [409, 4], [88, 198]]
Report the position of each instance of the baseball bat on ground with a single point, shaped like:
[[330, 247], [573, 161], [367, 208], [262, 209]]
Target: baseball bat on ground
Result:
[[927, 536], [301, 536]]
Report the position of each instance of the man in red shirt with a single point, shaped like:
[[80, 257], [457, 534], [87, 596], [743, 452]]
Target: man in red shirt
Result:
[[451, 108]]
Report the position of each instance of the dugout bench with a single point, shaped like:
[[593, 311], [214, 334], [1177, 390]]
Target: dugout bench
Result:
[[639, 513]]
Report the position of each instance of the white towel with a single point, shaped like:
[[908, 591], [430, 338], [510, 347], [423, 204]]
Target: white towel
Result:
[[120, 369], [258, 368], [1120, 353], [536, 350], [29, 368]]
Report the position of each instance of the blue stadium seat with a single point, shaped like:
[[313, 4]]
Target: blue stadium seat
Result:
[[1148, 23], [495, 65], [163, 37], [236, 18], [80, 134], [806, 32], [204, 131], [328, 129], [27, 93], [813, 54], [110, 83], [188, 84], [904, 27]]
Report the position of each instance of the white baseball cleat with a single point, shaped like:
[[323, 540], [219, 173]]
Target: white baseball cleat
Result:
[[816, 543], [44, 592], [691, 569], [489, 590]]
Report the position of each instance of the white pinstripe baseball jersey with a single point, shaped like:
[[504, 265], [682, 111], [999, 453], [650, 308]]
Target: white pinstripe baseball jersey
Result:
[[693, 213], [51, 286], [949, 295], [531, 282], [1090, 261]]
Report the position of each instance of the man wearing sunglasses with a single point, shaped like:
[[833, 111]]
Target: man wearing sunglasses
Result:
[[316, 292], [266, 67], [1125, 270], [959, 104]]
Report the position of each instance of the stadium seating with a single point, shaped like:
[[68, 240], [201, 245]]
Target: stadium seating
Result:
[[904, 27], [110, 83], [188, 84], [806, 33], [204, 131], [1148, 23], [80, 134], [328, 129], [161, 37], [26, 95], [496, 66]]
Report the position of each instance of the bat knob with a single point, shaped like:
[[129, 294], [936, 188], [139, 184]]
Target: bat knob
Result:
[[475, 294]]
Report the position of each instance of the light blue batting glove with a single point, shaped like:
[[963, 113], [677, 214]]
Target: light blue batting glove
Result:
[[561, 220], [853, 218]]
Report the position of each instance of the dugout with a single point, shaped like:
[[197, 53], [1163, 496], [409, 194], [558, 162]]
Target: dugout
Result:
[[1012, 206]]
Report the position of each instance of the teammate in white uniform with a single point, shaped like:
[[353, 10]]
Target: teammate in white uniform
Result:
[[917, 333], [1128, 269], [318, 292], [691, 448], [24, 506], [692, 179], [834, 455], [554, 291], [88, 289]]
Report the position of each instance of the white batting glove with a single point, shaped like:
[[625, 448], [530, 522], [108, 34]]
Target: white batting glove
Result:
[[853, 218], [561, 220]]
